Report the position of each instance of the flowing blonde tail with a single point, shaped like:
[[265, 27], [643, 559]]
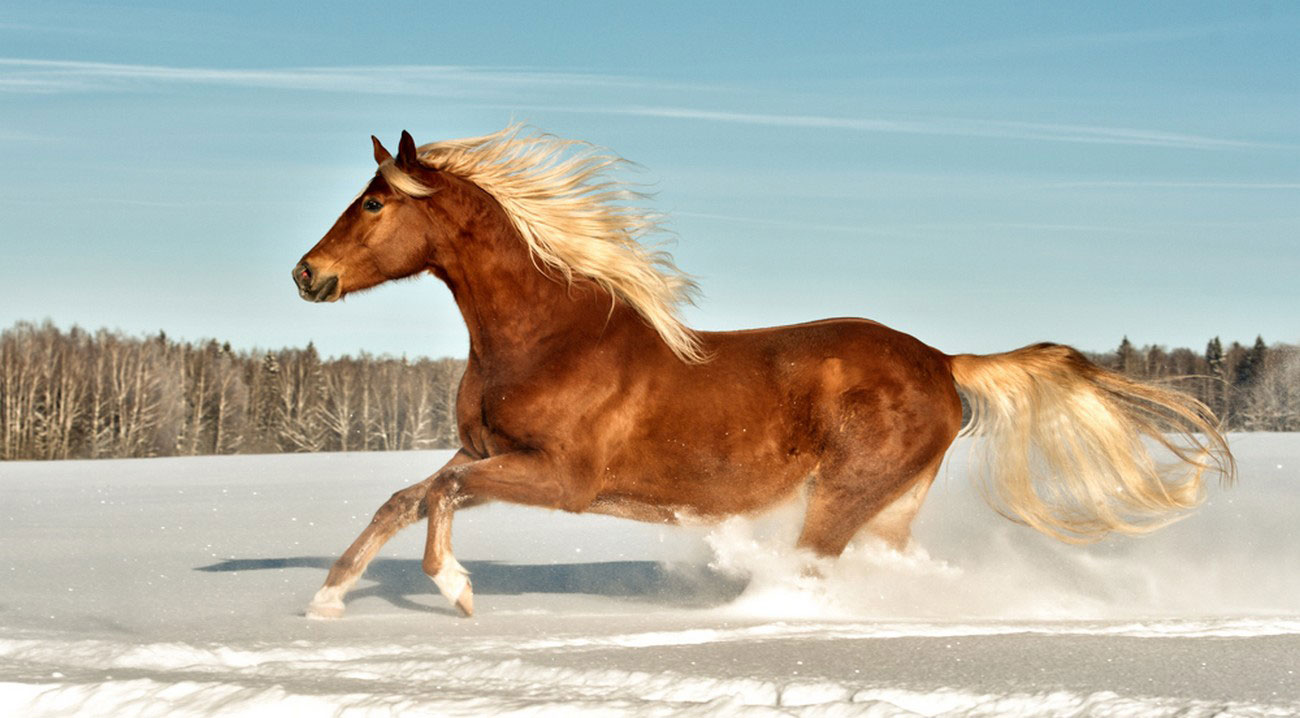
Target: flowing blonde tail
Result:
[[1064, 448]]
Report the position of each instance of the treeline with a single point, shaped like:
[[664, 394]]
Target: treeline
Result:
[[74, 394], [1254, 388]]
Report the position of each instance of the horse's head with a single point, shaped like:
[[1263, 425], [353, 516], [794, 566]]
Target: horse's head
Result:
[[374, 240]]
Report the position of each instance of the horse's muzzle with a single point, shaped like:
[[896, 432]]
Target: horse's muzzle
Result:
[[312, 286]]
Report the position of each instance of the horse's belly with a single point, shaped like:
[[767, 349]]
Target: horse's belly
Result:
[[707, 489]]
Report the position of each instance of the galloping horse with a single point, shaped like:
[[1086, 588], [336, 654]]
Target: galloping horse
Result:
[[584, 391]]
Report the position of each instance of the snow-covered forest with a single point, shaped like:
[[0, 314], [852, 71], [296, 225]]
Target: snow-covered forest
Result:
[[77, 394]]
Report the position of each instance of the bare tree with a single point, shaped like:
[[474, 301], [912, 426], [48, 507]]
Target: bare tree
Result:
[[229, 404], [1273, 402], [301, 401], [446, 378], [338, 409]]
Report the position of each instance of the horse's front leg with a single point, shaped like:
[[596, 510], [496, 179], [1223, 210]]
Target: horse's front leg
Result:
[[401, 510], [521, 478]]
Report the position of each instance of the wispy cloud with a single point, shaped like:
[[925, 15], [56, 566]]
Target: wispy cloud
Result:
[[1143, 184], [786, 224], [1008, 47], [954, 127], [912, 229], [28, 28], [512, 88], [7, 135], [52, 76]]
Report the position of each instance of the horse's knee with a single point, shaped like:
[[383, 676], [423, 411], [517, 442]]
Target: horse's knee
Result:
[[399, 505]]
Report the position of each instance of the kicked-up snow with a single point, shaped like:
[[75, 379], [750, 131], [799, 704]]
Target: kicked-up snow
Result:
[[176, 587]]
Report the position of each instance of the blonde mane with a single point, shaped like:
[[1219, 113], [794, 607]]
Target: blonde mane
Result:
[[572, 217]]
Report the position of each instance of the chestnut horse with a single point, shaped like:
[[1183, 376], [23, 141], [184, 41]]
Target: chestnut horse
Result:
[[585, 392]]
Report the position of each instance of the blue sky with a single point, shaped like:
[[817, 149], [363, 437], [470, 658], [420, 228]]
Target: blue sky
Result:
[[979, 175]]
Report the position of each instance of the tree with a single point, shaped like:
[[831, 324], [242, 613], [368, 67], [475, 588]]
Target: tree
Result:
[[446, 382], [267, 417], [1216, 386], [338, 411], [1273, 401], [197, 390], [301, 397], [1214, 356], [1251, 364], [1126, 358], [229, 404]]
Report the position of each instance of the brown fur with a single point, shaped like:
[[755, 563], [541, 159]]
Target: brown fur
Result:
[[570, 400]]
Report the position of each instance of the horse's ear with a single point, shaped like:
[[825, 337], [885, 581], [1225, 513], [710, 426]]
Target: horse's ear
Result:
[[381, 154], [407, 154]]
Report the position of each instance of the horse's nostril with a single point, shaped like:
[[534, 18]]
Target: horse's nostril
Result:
[[302, 274]]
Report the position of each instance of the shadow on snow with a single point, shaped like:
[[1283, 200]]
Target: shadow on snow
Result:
[[395, 579]]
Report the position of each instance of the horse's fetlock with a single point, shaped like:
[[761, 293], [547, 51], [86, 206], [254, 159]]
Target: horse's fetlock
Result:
[[431, 566]]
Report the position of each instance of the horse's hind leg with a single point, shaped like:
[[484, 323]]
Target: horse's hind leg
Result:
[[841, 504], [401, 510], [893, 524]]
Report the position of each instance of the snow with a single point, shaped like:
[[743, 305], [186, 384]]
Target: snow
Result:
[[176, 587]]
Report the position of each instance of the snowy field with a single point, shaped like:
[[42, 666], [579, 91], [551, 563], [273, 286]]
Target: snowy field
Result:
[[176, 587]]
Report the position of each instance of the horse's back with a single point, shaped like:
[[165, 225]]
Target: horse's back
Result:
[[867, 379], [863, 342], [835, 357]]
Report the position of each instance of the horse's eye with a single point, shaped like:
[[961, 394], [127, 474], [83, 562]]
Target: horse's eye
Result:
[[372, 205]]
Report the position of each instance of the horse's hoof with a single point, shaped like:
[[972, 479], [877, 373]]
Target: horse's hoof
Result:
[[325, 611], [466, 601], [452, 581]]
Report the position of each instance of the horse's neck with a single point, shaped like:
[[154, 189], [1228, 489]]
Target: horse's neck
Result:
[[514, 312]]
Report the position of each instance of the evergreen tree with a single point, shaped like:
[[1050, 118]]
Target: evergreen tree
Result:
[[1214, 395], [1252, 364], [1126, 357], [1214, 356], [267, 417]]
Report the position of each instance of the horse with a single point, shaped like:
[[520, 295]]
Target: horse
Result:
[[584, 390]]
